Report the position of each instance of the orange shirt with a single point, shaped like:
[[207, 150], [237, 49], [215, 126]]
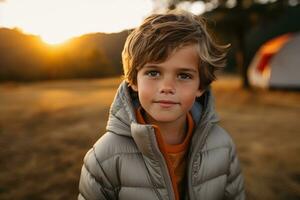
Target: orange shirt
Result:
[[173, 154]]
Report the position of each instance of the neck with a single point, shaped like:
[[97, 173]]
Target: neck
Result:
[[172, 132]]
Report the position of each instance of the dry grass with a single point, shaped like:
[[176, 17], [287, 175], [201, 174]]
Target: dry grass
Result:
[[46, 128]]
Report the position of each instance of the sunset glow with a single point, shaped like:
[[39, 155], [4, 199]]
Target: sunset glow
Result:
[[56, 21]]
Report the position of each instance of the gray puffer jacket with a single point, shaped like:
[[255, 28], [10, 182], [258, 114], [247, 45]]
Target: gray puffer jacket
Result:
[[126, 163]]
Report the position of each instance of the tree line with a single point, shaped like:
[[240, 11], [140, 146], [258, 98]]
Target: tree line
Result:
[[27, 58]]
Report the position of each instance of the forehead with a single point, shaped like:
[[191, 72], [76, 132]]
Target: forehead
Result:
[[185, 56]]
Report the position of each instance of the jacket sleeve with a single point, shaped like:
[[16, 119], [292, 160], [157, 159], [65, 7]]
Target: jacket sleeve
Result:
[[94, 183], [235, 182]]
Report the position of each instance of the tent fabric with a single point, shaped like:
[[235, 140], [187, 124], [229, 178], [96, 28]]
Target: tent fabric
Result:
[[276, 64], [286, 65]]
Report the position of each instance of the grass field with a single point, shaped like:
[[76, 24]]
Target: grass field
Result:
[[47, 127]]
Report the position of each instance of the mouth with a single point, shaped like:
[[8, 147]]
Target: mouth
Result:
[[166, 103]]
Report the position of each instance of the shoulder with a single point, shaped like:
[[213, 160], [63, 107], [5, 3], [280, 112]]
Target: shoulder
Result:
[[219, 138], [111, 145], [110, 157], [106, 155]]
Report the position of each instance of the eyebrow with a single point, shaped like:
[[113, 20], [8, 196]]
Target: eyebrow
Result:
[[156, 66]]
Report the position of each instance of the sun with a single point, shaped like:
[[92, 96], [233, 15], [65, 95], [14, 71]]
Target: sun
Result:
[[56, 21], [52, 40]]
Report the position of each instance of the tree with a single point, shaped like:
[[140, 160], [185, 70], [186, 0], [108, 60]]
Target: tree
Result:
[[239, 15]]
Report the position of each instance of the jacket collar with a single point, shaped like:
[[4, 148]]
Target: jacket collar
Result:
[[122, 111]]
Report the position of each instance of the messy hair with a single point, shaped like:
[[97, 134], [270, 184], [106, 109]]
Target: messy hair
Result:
[[159, 35]]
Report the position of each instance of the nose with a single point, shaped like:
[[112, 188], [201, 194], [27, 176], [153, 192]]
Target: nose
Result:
[[168, 86]]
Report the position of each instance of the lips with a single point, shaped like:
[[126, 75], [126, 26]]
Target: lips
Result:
[[166, 103]]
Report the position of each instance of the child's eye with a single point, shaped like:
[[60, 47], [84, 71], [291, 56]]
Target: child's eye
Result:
[[152, 73], [184, 76]]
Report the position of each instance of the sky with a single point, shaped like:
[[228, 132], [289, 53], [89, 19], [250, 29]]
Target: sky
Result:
[[58, 20]]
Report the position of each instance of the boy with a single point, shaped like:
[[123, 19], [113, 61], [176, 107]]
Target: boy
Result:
[[163, 140]]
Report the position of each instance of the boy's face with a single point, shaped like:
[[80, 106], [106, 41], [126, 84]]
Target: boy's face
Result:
[[168, 90]]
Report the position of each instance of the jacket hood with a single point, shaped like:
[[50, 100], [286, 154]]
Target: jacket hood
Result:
[[122, 110]]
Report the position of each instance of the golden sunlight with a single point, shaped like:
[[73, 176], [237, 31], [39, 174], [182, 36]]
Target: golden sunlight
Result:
[[56, 21], [52, 38]]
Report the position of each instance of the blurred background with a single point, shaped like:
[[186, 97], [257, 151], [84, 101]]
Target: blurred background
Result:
[[60, 66]]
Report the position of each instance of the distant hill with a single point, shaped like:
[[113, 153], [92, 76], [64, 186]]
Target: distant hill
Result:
[[27, 58]]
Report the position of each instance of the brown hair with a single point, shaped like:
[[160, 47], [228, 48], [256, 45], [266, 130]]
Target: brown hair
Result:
[[161, 34]]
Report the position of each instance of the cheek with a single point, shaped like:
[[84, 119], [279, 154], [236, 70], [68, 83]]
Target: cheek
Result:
[[188, 97], [189, 100], [145, 90]]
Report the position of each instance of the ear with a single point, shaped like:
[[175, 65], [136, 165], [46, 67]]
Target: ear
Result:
[[134, 87], [199, 92]]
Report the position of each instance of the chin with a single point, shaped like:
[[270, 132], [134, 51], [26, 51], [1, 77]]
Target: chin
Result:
[[165, 118]]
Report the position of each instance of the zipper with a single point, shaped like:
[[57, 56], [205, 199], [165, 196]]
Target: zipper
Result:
[[171, 174], [166, 175], [199, 145], [162, 161]]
